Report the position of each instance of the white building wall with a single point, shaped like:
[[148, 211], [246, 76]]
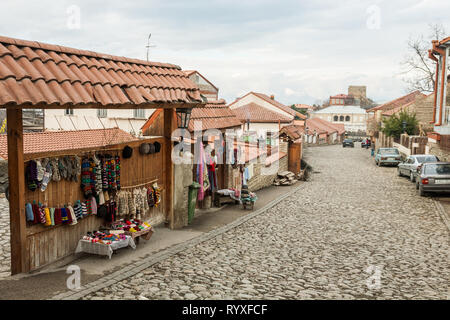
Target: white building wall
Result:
[[83, 119]]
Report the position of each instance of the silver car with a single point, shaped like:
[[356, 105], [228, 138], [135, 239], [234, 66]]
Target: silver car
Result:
[[409, 167], [433, 177]]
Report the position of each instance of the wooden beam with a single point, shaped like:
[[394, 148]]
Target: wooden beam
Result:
[[19, 257], [112, 106], [170, 125]]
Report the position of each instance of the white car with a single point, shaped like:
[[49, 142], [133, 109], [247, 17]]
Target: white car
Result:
[[409, 167]]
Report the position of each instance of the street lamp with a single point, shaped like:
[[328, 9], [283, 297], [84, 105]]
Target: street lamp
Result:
[[404, 125], [183, 117]]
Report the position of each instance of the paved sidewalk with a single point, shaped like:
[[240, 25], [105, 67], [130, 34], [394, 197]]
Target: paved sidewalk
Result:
[[52, 280]]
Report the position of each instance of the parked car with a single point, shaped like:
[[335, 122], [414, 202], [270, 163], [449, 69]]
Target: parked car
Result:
[[366, 143], [409, 166], [433, 177], [348, 143], [389, 156]]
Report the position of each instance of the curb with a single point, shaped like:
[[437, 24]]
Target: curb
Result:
[[442, 213], [135, 268]]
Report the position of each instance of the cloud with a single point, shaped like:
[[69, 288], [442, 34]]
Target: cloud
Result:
[[301, 51]]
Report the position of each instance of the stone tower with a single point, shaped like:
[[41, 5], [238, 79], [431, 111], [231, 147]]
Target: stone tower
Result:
[[358, 92]]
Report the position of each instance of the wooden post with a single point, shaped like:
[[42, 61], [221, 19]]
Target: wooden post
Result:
[[16, 192], [169, 126]]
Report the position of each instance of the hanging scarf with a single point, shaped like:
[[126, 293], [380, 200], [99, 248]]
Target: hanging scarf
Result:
[[200, 169]]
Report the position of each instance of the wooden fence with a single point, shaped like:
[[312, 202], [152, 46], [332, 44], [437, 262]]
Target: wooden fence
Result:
[[416, 144]]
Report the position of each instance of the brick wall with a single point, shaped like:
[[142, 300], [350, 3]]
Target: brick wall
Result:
[[423, 108]]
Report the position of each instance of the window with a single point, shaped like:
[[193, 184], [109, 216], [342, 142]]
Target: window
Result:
[[102, 113], [347, 118], [341, 118], [68, 112], [335, 118], [139, 113]]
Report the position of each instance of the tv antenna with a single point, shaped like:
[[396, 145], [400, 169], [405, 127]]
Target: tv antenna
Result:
[[148, 46]]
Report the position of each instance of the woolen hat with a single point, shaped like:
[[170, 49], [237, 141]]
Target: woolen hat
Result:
[[127, 152], [144, 148], [152, 148], [157, 146]]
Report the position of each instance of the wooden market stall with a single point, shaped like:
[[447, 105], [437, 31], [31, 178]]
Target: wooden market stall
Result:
[[35, 75], [293, 134]]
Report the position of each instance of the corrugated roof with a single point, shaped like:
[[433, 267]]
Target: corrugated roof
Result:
[[38, 74], [257, 113], [342, 109], [50, 141]]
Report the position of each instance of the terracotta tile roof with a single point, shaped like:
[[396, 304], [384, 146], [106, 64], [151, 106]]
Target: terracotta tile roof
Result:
[[257, 113], [304, 106], [214, 115], [341, 95], [49, 141], [38, 74], [390, 112], [398, 102], [276, 103], [292, 131], [333, 127], [313, 124]]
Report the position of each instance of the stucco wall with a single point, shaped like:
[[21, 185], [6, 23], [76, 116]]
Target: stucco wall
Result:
[[183, 178]]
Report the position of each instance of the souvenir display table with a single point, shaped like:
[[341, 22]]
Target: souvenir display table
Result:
[[225, 196], [104, 245], [134, 228]]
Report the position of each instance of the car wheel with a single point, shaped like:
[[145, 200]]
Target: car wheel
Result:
[[421, 192], [411, 177]]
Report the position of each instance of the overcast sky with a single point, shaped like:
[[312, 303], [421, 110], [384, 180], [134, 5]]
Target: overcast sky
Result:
[[300, 51]]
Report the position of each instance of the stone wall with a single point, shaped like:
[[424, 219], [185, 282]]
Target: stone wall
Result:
[[434, 149], [358, 92], [263, 176], [3, 175]]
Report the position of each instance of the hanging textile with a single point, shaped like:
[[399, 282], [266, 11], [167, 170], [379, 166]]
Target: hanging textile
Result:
[[200, 169]]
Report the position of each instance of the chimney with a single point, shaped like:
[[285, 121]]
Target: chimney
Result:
[[272, 97]]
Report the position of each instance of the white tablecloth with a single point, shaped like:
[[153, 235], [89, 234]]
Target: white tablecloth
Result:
[[104, 249]]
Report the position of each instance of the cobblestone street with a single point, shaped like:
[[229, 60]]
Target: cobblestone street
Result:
[[316, 244]]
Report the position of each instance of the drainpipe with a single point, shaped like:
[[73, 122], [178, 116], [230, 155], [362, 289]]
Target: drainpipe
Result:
[[432, 57], [443, 83]]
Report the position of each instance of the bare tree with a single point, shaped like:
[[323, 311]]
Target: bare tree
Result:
[[418, 69]]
